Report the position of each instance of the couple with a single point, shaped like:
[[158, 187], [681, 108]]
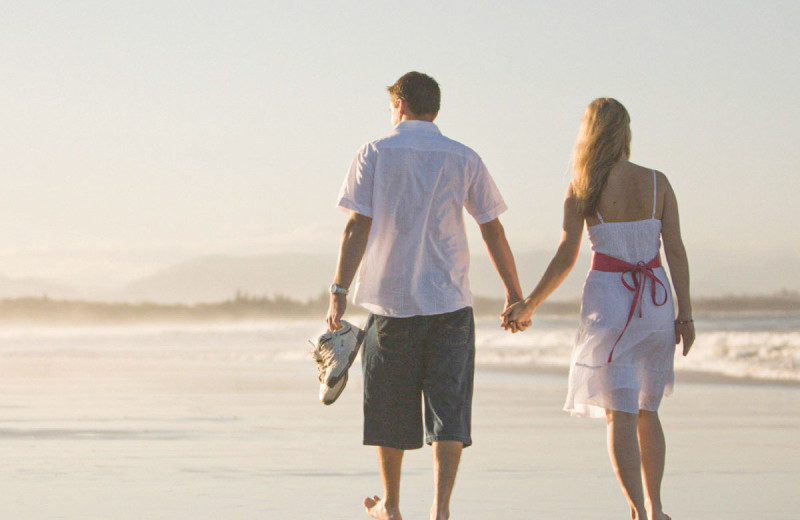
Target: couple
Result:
[[405, 195]]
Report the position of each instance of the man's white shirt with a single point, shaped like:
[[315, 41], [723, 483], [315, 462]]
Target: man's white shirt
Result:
[[414, 184]]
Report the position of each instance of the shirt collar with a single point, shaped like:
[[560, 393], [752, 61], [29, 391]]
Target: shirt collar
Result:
[[415, 124]]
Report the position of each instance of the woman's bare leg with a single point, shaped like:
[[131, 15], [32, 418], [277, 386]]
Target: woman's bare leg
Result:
[[623, 448], [653, 451]]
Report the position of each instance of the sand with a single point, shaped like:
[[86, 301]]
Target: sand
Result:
[[101, 437]]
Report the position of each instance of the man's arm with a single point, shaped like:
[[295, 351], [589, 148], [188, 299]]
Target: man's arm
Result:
[[503, 259], [351, 251]]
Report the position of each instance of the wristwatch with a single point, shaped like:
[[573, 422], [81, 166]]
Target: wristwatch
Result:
[[338, 289]]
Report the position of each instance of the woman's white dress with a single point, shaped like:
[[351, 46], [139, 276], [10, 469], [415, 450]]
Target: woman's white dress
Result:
[[641, 371]]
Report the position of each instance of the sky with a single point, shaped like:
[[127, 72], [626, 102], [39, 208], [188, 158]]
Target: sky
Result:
[[139, 134]]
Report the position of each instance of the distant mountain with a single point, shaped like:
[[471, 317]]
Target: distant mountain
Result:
[[530, 266], [21, 287], [217, 278], [304, 276], [299, 276], [721, 274]]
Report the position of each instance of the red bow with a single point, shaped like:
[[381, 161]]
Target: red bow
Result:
[[639, 272]]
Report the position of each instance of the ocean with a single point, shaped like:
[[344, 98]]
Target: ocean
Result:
[[764, 346], [222, 421]]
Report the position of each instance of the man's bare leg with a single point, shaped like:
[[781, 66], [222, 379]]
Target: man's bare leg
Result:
[[446, 456], [390, 461], [653, 449], [623, 447]]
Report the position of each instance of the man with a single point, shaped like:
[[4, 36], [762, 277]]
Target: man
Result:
[[406, 194]]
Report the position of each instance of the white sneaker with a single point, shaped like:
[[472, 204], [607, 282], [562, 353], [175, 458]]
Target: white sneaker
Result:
[[334, 352], [337, 349]]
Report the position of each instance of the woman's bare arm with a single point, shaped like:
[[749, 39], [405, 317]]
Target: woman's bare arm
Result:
[[678, 267], [560, 266]]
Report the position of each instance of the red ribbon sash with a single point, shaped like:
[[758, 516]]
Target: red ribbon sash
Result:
[[639, 273]]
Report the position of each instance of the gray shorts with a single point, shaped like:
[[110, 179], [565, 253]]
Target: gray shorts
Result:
[[407, 361]]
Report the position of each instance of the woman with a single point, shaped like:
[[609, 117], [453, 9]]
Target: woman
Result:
[[622, 363]]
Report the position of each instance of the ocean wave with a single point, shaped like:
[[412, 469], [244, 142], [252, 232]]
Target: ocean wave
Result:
[[771, 351], [752, 354], [762, 355]]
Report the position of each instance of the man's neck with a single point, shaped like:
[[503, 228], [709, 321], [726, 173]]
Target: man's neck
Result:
[[413, 117]]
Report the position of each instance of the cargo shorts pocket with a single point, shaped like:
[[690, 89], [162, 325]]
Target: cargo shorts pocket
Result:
[[392, 333]]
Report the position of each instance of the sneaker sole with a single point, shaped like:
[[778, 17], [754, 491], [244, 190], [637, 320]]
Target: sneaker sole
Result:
[[334, 392], [335, 379]]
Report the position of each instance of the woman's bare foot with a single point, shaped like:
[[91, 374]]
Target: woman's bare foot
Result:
[[439, 515], [376, 508]]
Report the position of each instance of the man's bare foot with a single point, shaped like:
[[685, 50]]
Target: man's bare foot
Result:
[[376, 508]]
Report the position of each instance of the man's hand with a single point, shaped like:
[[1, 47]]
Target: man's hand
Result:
[[518, 322], [354, 242], [516, 317], [495, 238], [336, 308]]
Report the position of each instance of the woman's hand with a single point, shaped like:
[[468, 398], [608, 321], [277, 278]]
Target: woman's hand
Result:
[[684, 330], [516, 317]]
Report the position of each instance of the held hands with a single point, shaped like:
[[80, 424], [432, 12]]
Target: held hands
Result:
[[336, 308], [516, 317], [684, 329]]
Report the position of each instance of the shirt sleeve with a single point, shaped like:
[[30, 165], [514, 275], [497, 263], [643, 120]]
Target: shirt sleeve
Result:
[[356, 192], [483, 200]]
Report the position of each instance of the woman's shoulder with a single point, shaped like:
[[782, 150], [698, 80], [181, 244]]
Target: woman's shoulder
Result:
[[638, 169], [645, 174], [663, 188]]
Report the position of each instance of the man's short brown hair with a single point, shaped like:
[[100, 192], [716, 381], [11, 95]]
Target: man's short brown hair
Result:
[[420, 91]]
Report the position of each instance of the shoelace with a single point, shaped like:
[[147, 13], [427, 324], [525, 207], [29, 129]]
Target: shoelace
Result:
[[321, 364], [320, 368], [325, 354]]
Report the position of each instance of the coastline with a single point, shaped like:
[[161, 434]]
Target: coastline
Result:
[[44, 311]]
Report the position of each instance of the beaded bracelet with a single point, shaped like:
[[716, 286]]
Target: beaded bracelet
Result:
[[684, 322]]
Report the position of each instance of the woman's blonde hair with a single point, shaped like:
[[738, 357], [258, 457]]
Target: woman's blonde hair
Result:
[[603, 138]]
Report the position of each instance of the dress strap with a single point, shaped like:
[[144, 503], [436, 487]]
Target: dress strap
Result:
[[654, 194], [599, 216]]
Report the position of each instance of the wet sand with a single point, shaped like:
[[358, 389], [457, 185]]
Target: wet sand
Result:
[[161, 436]]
